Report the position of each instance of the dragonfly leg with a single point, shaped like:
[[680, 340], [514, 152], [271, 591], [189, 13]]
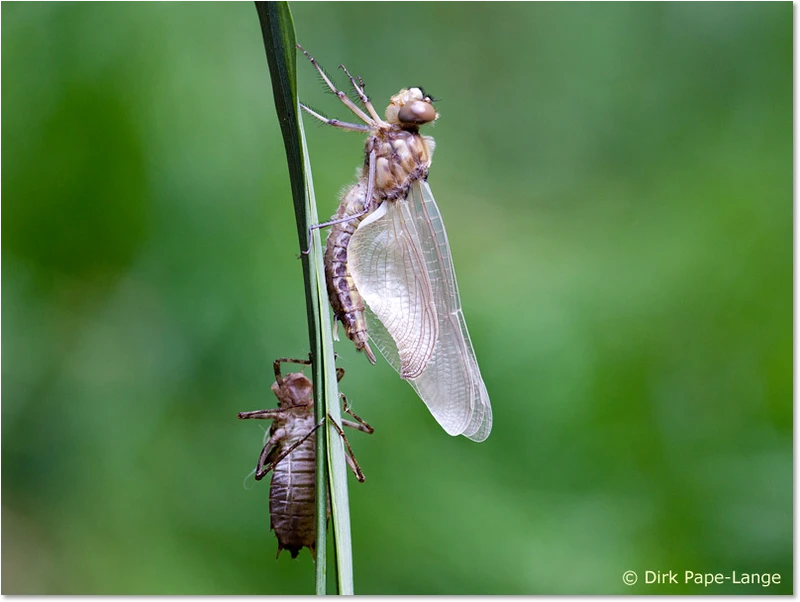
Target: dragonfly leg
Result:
[[270, 414], [341, 95], [351, 462], [268, 447], [368, 205], [369, 201], [286, 360], [359, 88], [352, 127], [361, 424], [340, 220], [350, 457], [261, 469]]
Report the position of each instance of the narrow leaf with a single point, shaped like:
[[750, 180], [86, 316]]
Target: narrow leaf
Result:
[[279, 42]]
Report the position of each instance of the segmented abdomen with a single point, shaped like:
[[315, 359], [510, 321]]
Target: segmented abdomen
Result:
[[347, 304], [292, 503]]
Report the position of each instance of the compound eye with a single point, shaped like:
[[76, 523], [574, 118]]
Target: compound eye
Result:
[[417, 112]]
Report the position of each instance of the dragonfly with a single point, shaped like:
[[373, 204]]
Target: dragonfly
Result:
[[290, 453], [388, 265]]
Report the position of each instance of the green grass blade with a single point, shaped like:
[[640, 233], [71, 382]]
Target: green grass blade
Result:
[[340, 505], [279, 42]]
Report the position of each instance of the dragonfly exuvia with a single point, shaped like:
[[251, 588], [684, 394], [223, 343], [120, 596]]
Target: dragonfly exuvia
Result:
[[290, 452], [388, 265]]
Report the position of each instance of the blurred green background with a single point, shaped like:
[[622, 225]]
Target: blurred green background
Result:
[[616, 180]]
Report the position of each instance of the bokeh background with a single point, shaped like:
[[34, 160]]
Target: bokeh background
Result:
[[617, 185]]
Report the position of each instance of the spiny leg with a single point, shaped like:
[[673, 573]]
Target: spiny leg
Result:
[[261, 470], [341, 95], [353, 127], [361, 94]]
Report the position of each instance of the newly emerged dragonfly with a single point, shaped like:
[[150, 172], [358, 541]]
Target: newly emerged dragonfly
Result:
[[290, 452], [388, 265]]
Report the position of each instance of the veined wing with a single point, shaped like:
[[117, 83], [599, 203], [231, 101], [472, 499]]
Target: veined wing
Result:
[[450, 383], [386, 260]]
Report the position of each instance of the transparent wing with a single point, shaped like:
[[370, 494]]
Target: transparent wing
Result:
[[450, 382], [385, 259]]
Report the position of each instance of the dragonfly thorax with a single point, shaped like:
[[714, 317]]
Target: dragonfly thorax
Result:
[[401, 158], [294, 390]]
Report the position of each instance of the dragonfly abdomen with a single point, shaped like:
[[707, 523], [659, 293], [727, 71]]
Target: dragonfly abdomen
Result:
[[347, 304], [292, 498]]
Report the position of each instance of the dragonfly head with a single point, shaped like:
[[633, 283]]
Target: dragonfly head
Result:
[[296, 390], [411, 107]]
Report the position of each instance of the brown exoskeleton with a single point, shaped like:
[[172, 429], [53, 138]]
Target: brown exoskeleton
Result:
[[290, 452]]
